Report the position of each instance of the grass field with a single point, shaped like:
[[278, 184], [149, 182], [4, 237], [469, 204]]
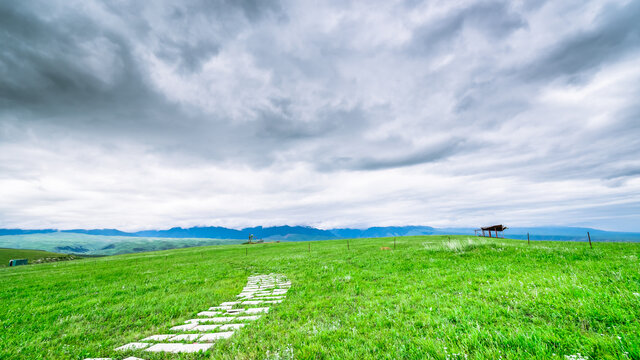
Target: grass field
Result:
[[72, 243], [430, 298], [32, 255]]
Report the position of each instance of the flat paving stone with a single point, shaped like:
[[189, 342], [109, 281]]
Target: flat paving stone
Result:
[[206, 327], [259, 310], [178, 348], [281, 297], [185, 327], [212, 319], [230, 303], [216, 336], [132, 346], [232, 326], [158, 337], [235, 311], [226, 307], [209, 313], [185, 337]]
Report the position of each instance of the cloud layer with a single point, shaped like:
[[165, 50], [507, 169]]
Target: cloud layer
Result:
[[137, 115]]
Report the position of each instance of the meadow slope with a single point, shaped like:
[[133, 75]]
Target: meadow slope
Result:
[[31, 255], [430, 298]]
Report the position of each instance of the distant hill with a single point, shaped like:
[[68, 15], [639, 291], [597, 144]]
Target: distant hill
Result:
[[113, 241], [105, 232], [22, 232]]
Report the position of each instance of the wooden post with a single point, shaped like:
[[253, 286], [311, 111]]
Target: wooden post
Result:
[[394, 243], [348, 244], [588, 235], [528, 241], [309, 247], [246, 251]]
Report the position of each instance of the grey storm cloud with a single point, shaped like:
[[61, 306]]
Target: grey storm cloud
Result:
[[248, 112], [616, 33]]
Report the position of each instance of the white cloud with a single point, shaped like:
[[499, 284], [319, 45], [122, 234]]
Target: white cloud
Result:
[[134, 116]]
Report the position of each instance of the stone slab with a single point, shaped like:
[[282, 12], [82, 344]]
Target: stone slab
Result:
[[206, 327], [230, 303], [259, 310], [270, 297], [216, 336], [158, 337], [209, 313], [185, 337], [132, 346], [185, 327], [219, 319], [232, 326], [179, 348]]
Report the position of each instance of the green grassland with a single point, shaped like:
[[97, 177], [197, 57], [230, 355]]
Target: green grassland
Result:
[[72, 243], [31, 255], [430, 298]]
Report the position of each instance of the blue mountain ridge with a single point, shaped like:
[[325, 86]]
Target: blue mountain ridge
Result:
[[305, 233]]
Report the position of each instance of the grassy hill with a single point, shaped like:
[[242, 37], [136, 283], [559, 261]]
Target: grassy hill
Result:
[[32, 255], [73, 243], [430, 298]]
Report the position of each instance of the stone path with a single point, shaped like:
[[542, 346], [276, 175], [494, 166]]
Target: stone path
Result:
[[218, 322]]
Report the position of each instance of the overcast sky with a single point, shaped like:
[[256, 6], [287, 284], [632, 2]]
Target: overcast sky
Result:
[[152, 114]]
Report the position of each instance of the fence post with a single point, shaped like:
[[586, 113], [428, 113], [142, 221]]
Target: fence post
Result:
[[309, 247], [588, 235], [246, 251], [348, 245], [528, 241], [394, 243]]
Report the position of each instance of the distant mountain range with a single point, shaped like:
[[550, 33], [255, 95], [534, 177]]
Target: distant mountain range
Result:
[[306, 233]]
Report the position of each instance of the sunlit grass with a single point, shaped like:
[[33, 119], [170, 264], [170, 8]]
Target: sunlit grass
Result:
[[432, 297]]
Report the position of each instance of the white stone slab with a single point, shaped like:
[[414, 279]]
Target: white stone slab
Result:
[[259, 310], [234, 311], [232, 327], [98, 359], [226, 307], [133, 358], [185, 327], [216, 336], [272, 301], [252, 302], [158, 337], [132, 346], [209, 313], [178, 348], [230, 303], [219, 319], [185, 337], [270, 297], [206, 327], [249, 318]]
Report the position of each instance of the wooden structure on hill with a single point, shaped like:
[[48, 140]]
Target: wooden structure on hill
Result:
[[496, 229]]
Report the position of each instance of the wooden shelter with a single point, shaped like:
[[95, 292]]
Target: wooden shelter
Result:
[[496, 229]]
